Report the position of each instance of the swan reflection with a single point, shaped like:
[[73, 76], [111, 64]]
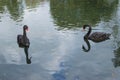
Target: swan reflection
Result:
[[88, 45], [28, 59]]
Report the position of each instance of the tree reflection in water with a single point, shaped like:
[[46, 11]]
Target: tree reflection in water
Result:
[[15, 8], [116, 60], [116, 34], [72, 14]]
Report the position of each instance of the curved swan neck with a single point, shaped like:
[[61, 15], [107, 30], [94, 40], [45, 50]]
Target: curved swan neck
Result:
[[89, 31], [25, 27]]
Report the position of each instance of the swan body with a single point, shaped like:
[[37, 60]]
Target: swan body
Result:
[[22, 40], [96, 36]]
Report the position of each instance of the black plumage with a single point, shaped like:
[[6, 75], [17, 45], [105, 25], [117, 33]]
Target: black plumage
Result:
[[96, 36], [23, 40]]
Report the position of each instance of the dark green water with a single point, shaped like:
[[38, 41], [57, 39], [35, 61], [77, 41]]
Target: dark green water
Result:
[[56, 37]]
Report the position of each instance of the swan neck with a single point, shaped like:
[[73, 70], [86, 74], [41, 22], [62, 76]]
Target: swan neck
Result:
[[24, 32], [89, 31]]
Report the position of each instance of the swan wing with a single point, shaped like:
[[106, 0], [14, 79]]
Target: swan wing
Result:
[[99, 36]]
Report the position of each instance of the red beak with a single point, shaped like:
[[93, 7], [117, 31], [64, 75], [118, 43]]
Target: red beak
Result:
[[27, 29]]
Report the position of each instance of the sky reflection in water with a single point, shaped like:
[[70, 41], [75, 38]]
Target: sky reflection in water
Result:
[[57, 39]]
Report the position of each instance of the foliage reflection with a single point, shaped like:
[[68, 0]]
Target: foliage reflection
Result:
[[74, 13], [15, 8]]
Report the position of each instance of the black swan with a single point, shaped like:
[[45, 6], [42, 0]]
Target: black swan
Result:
[[88, 45], [96, 36], [22, 40]]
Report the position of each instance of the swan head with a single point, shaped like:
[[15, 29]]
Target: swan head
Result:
[[25, 27], [84, 26]]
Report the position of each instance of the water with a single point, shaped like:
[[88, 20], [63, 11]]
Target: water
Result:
[[56, 37]]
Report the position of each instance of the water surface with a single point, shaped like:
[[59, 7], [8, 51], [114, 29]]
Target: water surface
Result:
[[56, 37]]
